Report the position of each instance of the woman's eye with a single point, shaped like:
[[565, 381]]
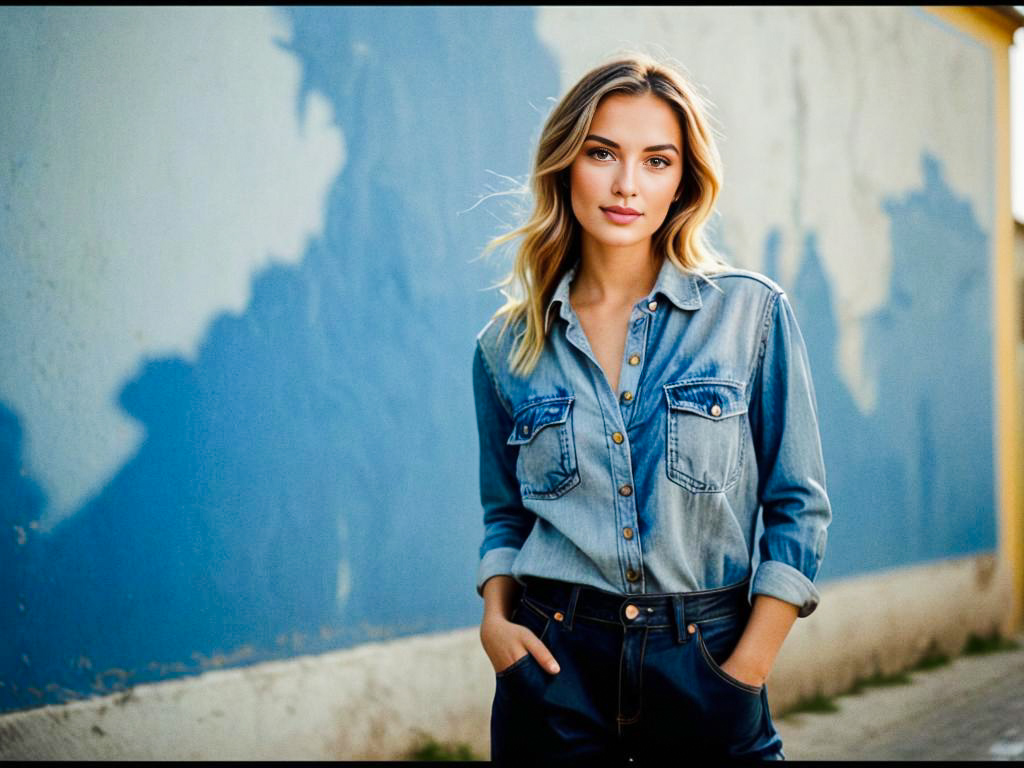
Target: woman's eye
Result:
[[600, 154], [659, 162]]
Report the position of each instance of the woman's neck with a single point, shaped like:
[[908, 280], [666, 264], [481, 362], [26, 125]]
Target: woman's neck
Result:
[[614, 276]]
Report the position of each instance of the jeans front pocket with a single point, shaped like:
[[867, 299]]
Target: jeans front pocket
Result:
[[546, 467], [716, 640], [736, 717], [705, 433]]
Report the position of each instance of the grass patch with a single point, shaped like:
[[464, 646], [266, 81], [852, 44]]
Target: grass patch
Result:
[[818, 703], [991, 643], [822, 704], [933, 658], [430, 749], [879, 680]]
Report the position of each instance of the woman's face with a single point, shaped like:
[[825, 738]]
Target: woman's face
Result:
[[628, 170]]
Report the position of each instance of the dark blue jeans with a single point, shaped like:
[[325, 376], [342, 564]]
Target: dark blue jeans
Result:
[[640, 681]]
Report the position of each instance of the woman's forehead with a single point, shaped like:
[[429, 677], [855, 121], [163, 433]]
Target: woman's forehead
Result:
[[644, 119]]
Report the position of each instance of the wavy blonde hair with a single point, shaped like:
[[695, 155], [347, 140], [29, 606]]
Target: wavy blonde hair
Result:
[[550, 236]]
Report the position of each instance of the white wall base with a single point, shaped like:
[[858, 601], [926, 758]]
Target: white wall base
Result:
[[375, 701]]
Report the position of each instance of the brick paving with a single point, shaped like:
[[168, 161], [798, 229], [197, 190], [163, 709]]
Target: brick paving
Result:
[[971, 709]]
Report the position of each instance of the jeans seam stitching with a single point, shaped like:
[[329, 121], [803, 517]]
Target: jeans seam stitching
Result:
[[713, 666]]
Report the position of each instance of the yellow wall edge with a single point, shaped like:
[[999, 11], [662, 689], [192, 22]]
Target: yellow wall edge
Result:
[[996, 31]]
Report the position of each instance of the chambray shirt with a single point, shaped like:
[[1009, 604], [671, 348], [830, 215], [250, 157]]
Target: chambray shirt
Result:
[[657, 487]]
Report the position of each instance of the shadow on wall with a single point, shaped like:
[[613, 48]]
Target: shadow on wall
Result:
[[310, 481]]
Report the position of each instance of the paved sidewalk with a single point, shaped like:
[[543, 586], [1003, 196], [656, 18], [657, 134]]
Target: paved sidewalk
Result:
[[971, 709]]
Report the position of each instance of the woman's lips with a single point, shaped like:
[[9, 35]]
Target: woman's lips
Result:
[[619, 216]]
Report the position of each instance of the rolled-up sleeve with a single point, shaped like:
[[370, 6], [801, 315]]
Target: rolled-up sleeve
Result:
[[506, 522], [791, 469]]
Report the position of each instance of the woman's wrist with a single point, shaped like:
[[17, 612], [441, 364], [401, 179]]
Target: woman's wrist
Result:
[[769, 623], [500, 595]]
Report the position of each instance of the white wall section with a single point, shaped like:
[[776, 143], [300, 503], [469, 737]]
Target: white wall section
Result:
[[149, 154]]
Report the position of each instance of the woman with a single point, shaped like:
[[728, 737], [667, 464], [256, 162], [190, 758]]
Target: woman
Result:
[[638, 407]]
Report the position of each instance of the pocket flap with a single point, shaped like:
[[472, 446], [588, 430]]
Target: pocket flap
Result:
[[712, 398], [533, 417]]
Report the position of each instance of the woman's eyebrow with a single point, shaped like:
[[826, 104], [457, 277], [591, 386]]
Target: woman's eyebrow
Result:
[[613, 145]]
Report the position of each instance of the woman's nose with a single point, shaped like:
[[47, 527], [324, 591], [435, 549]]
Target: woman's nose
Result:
[[625, 183]]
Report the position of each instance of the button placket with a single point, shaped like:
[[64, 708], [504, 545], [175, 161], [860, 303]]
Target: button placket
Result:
[[626, 514], [633, 357], [629, 382]]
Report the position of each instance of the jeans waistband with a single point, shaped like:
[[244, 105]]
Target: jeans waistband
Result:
[[564, 602]]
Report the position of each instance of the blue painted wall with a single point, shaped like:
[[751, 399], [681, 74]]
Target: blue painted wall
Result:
[[223, 536], [331, 425], [914, 480]]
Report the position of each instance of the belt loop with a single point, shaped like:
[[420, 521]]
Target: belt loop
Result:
[[571, 610], [680, 612]]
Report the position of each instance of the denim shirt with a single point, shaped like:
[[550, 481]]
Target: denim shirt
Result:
[[657, 487]]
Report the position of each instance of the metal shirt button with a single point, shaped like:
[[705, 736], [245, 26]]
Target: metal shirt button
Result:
[[632, 611], [627, 396], [558, 616], [617, 437], [716, 410], [652, 305], [626, 490], [526, 429], [634, 360], [627, 533], [632, 575]]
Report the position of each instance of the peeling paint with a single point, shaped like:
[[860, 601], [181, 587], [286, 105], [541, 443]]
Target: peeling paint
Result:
[[111, 680], [217, 660], [985, 570]]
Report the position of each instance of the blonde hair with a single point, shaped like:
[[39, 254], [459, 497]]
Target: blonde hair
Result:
[[550, 236]]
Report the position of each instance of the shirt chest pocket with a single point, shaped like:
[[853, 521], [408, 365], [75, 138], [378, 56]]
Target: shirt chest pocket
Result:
[[546, 467], [705, 433]]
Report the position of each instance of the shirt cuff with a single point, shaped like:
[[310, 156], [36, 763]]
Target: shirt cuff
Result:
[[777, 579], [495, 562]]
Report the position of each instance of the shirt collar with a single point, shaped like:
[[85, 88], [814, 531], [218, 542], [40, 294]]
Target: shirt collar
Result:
[[675, 285]]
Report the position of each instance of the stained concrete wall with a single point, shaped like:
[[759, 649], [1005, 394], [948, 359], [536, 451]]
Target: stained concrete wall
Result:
[[239, 300]]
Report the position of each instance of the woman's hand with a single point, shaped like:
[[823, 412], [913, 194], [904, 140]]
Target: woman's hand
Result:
[[752, 659], [749, 673], [506, 642]]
